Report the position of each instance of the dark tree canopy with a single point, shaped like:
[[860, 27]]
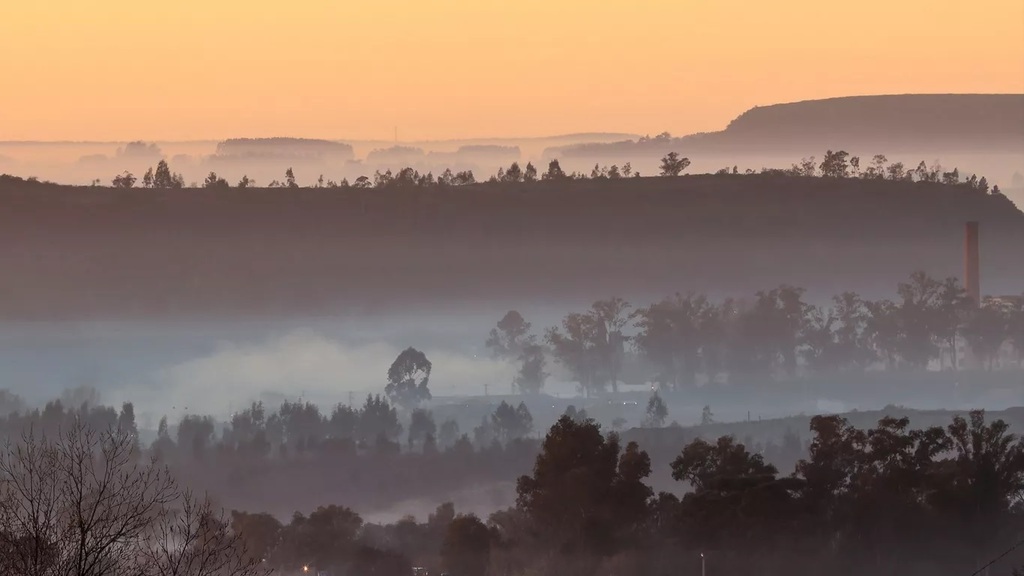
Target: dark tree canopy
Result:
[[656, 412], [582, 491], [467, 546], [673, 165], [408, 377], [511, 335]]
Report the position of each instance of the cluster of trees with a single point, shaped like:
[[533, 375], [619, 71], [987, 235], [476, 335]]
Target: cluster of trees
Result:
[[840, 164], [776, 334], [375, 454], [300, 429], [890, 499], [295, 429], [835, 164], [161, 178]]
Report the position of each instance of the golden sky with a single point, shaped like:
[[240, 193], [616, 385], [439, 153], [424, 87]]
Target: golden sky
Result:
[[209, 69]]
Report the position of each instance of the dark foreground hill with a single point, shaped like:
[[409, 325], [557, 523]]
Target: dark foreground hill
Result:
[[94, 252]]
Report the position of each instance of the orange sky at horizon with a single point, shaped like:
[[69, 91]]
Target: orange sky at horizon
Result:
[[212, 69]]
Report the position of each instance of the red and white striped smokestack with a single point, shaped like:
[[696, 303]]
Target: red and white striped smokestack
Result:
[[972, 268]]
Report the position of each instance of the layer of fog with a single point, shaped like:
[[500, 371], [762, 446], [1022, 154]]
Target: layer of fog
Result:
[[216, 368], [301, 364], [481, 500]]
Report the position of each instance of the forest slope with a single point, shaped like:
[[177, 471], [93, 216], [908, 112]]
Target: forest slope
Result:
[[97, 252]]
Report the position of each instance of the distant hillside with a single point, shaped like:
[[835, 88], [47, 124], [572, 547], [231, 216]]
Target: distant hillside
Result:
[[883, 124], [914, 120], [73, 252], [283, 147]]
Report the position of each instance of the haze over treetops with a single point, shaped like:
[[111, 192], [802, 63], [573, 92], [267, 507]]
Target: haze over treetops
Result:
[[120, 70]]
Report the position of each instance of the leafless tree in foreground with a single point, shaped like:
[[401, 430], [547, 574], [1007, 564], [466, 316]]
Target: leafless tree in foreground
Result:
[[85, 504], [195, 540]]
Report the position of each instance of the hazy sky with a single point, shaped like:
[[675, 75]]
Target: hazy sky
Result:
[[196, 69]]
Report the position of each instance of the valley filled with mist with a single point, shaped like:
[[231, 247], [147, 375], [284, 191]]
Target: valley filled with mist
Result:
[[795, 345]]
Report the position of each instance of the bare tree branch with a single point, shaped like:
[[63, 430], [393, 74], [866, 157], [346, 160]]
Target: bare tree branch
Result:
[[84, 504]]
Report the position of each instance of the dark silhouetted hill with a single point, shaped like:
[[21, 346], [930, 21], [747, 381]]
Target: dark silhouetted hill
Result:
[[879, 124], [99, 252], [954, 120]]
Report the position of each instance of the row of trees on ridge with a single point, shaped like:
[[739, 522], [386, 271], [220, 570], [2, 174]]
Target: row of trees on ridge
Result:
[[835, 164]]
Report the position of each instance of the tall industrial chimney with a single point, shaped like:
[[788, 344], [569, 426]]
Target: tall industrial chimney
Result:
[[972, 272]]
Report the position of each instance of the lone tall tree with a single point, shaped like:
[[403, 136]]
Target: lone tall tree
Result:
[[657, 412], [531, 375], [673, 165], [124, 180], [575, 346], [509, 337], [835, 164], [163, 178], [554, 171], [407, 379], [530, 174], [610, 318]]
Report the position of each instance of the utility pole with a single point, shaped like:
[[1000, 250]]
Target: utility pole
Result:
[[485, 389], [350, 398]]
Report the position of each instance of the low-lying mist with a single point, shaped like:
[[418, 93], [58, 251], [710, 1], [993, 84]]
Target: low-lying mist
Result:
[[302, 363], [216, 367]]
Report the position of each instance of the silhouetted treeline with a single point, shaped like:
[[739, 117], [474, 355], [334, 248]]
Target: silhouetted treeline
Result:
[[913, 122], [382, 457], [835, 164], [687, 339], [890, 500], [940, 500]]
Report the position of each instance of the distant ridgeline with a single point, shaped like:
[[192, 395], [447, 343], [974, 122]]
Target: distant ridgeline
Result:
[[303, 151], [72, 251], [887, 124], [248, 148]]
